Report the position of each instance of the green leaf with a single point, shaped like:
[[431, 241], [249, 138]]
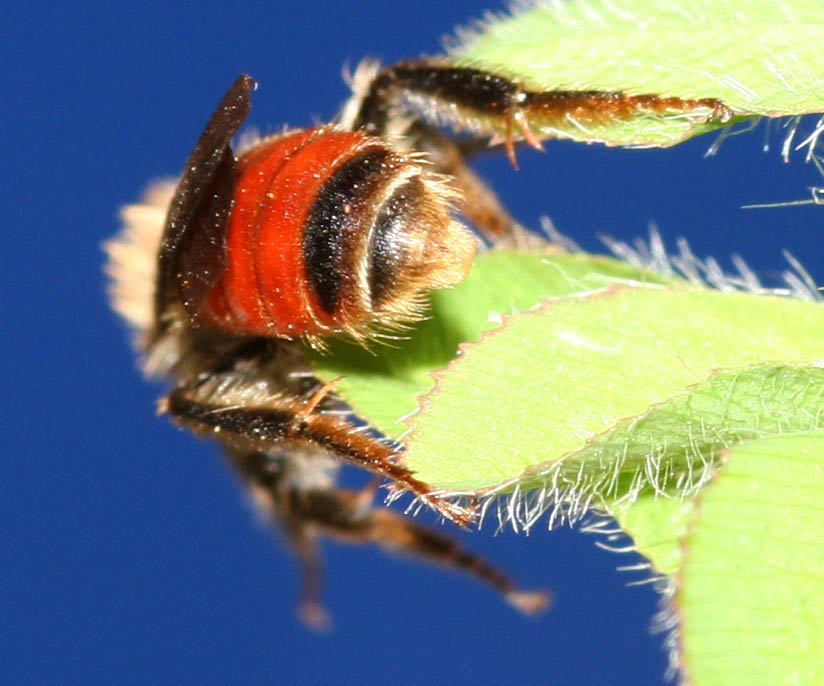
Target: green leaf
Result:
[[579, 378], [384, 382], [687, 435], [752, 586], [761, 57]]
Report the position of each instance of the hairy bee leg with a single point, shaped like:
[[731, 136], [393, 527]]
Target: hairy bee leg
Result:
[[311, 609], [271, 483], [501, 109], [280, 423], [348, 517], [465, 97], [436, 88], [340, 514], [394, 532]]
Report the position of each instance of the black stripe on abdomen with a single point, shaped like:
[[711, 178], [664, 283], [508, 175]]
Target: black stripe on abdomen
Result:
[[335, 214]]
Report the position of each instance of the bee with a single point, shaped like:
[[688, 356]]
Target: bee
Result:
[[336, 230]]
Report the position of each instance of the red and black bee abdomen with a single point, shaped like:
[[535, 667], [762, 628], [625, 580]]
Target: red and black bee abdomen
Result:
[[333, 231]]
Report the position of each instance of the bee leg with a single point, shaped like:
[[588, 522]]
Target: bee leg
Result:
[[270, 479], [342, 515], [469, 99], [281, 422], [310, 606], [395, 533], [279, 485]]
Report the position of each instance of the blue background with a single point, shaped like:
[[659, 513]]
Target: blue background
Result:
[[129, 555]]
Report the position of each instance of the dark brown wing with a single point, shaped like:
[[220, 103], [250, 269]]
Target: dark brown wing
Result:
[[192, 253]]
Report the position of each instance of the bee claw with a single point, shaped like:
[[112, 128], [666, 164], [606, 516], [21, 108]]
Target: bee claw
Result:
[[529, 602], [315, 616]]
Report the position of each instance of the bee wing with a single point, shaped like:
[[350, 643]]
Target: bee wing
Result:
[[192, 252]]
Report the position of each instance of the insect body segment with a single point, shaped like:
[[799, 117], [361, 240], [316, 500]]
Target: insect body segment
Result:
[[334, 231]]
